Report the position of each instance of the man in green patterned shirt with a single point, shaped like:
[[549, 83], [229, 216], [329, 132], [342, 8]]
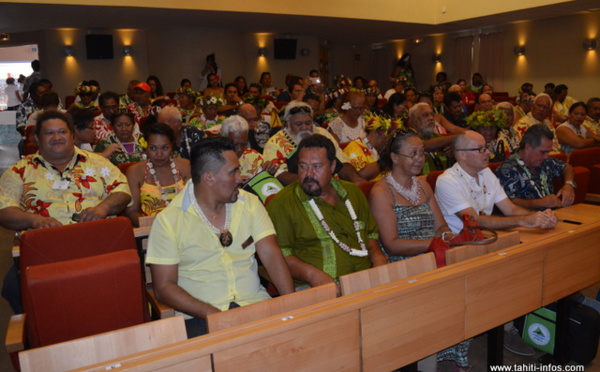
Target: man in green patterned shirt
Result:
[[323, 225]]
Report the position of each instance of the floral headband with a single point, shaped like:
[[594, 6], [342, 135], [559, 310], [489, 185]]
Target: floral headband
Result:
[[85, 89], [256, 101], [187, 91], [211, 100], [481, 119], [372, 91], [378, 123]]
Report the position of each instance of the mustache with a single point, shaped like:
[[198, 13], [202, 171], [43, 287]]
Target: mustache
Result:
[[310, 179]]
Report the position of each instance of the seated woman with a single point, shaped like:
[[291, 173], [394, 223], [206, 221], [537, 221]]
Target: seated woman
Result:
[[572, 134], [506, 130], [157, 180], [214, 86], [371, 99], [83, 121], [350, 125], [187, 104], [409, 217], [86, 92], [397, 108], [156, 88], [412, 96], [364, 152], [489, 124], [210, 107], [438, 101], [123, 146]]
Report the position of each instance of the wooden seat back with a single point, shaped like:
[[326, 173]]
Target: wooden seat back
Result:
[[274, 306], [379, 275], [505, 239]]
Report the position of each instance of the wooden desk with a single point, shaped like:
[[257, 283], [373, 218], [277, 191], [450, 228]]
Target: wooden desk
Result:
[[584, 213], [392, 325]]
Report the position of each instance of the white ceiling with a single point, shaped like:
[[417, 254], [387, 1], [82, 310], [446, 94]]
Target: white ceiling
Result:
[[17, 17]]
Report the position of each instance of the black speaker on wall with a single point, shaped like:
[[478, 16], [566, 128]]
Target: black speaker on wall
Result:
[[99, 46], [285, 48]]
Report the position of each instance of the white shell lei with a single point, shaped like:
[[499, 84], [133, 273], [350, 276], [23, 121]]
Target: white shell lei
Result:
[[412, 195], [152, 171], [205, 219], [362, 252]]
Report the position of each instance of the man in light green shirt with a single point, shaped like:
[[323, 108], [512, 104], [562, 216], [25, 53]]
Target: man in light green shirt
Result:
[[201, 247]]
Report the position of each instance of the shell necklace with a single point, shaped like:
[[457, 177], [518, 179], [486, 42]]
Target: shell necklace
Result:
[[152, 171], [225, 237], [362, 252], [412, 195]]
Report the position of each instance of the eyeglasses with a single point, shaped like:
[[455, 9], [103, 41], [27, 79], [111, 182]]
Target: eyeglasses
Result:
[[88, 94], [414, 155], [480, 150], [299, 109]]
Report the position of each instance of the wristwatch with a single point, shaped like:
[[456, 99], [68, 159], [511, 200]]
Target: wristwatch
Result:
[[572, 184]]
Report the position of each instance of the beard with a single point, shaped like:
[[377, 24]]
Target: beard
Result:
[[313, 191], [301, 135]]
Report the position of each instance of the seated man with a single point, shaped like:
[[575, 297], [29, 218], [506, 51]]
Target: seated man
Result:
[[201, 247], [471, 187], [259, 131], [185, 136], [592, 120], [539, 114], [281, 147], [251, 161], [324, 226], [527, 175], [58, 185], [454, 109], [422, 120]]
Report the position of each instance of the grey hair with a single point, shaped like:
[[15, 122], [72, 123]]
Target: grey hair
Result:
[[414, 111], [234, 124], [288, 116], [172, 112], [540, 95]]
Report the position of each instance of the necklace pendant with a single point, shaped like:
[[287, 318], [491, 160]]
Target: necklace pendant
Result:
[[358, 252], [226, 238]]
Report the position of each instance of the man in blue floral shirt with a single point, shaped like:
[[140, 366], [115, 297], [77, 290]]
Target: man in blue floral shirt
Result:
[[527, 175]]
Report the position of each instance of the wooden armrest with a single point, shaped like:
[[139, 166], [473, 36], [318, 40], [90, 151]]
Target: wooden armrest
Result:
[[15, 334], [163, 311]]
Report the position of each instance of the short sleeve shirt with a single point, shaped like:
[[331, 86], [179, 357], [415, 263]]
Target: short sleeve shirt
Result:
[[456, 190], [35, 186], [519, 182], [209, 272]]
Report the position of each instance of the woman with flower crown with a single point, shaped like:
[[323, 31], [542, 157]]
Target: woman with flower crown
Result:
[[409, 217], [187, 104], [489, 124], [210, 107], [364, 152], [157, 180], [350, 125]]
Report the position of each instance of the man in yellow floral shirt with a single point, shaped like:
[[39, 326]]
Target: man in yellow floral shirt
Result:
[[281, 147], [60, 184]]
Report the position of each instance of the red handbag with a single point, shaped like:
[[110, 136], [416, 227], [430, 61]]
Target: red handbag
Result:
[[471, 233]]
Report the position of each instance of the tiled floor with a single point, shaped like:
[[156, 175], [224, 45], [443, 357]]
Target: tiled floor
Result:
[[477, 353]]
